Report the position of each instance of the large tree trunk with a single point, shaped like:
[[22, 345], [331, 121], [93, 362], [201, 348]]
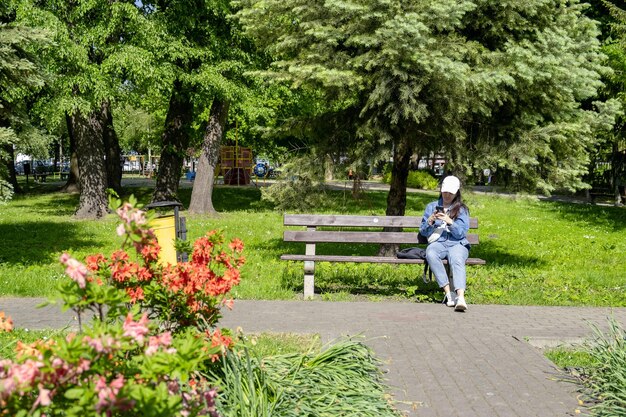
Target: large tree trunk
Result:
[[10, 164], [92, 203], [72, 185], [175, 143], [202, 193], [112, 149], [396, 199]]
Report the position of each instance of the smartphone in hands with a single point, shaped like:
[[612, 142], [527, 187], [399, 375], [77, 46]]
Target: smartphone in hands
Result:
[[439, 209]]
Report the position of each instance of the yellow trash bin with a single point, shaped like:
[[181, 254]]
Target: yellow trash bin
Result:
[[167, 228], [165, 231]]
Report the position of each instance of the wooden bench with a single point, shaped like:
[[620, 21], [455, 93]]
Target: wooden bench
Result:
[[312, 235]]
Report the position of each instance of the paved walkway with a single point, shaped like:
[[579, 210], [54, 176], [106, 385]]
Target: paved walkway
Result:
[[485, 362]]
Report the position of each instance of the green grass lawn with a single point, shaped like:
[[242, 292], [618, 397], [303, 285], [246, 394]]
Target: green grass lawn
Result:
[[537, 252]]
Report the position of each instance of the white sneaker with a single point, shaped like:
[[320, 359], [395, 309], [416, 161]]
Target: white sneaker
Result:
[[449, 299], [461, 305]]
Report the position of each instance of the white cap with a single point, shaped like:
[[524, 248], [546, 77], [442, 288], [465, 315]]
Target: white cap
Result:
[[450, 184]]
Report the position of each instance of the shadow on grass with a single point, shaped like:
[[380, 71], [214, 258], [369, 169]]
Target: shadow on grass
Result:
[[225, 198], [54, 204], [35, 242], [375, 279], [611, 217]]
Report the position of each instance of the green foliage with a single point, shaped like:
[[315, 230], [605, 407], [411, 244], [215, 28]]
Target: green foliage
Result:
[[342, 380], [6, 191], [100, 46], [600, 366], [302, 187], [502, 85], [21, 78], [120, 361], [416, 179], [606, 379]]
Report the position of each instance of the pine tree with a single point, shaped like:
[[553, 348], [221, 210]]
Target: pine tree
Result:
[[427, 73]]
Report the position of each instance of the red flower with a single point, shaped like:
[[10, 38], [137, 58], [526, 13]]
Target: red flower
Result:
[[150, 251], [143, 274], [93, 261], [236, 245], [119, 255], [122, 272], [219, 340], [232, 275], [135, 294], [201, 254]]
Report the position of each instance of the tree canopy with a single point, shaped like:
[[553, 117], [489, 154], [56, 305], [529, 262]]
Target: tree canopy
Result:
[[507, 85]]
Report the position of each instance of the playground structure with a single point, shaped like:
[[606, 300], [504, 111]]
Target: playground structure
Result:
[[140, 164], [236, 164]]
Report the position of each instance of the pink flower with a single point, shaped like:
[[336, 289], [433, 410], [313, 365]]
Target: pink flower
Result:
[[75, 270], [138, 216], [44, 397], [121, 229], [129, 214], [108, 394], [164, 339], [136, 329]]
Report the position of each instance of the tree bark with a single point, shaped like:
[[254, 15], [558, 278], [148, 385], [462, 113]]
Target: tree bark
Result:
[[10, 164], [329, 165], [175, 142], [72, 184], [396, 199], [88, 131], [202, 192], [112, 150]]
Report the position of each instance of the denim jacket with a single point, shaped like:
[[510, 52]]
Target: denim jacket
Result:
[[454, 234]]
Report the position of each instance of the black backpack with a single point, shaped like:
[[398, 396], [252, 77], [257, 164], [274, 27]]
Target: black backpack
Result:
[[417, 253]]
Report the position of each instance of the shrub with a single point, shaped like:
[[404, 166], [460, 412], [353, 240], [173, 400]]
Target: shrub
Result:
[[177, 296], [6, 191], [343, 380], [302, 188], [124, 362], [416, 179], [606, 380]]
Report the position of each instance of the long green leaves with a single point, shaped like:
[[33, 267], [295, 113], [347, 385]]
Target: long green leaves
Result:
[[607, 380], [343, 380]]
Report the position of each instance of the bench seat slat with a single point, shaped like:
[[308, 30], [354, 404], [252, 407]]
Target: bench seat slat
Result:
[[358, 221], [367, 259], [357, 237]]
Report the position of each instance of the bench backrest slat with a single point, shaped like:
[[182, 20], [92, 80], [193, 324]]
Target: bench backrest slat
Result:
[[357, 221], [358, 237]]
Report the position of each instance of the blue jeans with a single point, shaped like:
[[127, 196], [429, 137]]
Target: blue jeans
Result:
[[456, 254]]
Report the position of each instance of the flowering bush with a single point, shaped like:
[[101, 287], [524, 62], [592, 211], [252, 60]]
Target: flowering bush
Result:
[[110, 370], [124, 364], [187, 294]]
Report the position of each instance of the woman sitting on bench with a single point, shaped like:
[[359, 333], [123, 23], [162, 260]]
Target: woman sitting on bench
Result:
[[445, 223]]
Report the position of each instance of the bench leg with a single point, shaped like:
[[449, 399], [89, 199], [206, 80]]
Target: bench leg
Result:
[[309, 279], [309, 271]]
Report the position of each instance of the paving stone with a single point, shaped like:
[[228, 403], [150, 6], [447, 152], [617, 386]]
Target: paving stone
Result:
[[485, 362]]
